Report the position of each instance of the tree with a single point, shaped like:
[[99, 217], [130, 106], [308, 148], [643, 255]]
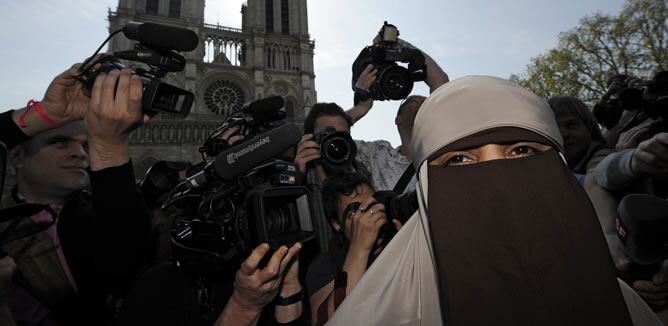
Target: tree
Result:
[[635, 42]]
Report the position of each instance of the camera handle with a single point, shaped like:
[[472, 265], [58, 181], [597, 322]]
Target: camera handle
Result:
[[320, 224]]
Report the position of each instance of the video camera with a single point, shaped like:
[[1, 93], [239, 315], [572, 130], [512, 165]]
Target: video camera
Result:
[[242, 197], [649, 97], [394, 82], [157, 47]]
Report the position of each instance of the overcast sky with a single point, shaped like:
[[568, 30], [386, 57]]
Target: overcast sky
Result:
[[492, 37]]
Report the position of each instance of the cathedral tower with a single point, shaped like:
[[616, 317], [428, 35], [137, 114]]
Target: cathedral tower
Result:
[[272, 54]]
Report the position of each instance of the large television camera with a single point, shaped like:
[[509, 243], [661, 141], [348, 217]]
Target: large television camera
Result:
[[243, 196], [393, 82], [157, 48], [648, 98]]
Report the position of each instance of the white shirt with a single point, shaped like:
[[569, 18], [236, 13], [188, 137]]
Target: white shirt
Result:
[[385, 163]]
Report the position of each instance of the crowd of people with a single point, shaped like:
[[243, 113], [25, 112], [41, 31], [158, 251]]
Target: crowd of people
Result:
[[515, 220]]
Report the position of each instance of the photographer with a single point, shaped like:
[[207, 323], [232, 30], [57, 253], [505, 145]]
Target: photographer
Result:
[[385, 162], [640, 166], [358, 220], [185, 291], [168, 295], [69, 272]]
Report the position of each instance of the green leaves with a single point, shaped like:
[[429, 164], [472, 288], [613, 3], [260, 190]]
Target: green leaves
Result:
[[635, 42]]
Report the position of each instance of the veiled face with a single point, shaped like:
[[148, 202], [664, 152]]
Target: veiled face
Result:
[[489, 152]]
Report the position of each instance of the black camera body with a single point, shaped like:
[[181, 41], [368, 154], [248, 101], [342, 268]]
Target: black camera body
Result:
[[649, 97], [266, 207], [397, 206], [241, 196], [393, 82], [157, 96], [336, 148]]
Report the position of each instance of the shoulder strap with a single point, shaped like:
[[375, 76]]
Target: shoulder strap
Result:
[[404, 180]]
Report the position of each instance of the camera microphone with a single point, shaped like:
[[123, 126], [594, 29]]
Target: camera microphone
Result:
[[642, 226], [161, 36], [236, 160], [266, 108]]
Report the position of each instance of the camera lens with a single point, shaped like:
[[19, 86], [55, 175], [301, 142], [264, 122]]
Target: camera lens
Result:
[[278, 220], [337, 150], [396, 82]]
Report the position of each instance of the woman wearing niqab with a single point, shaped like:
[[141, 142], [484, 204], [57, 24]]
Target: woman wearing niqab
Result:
[[504, 234]]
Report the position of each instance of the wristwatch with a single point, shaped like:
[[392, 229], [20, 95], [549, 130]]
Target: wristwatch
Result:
[[281, 301], [361, 95]]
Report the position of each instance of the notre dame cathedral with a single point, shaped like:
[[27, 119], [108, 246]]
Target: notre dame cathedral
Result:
[[272, 54]]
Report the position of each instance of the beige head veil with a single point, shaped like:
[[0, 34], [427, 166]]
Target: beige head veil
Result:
[[400, 287]]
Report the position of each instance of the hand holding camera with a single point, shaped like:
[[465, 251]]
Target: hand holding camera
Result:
[[157, 48], [115, 108], [651, 156], [365, 226], [63, 102], [393, 82], [307, 150], [328, 146], [256, 287]]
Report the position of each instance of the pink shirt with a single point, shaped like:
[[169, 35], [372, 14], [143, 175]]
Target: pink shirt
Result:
[[44, 217]]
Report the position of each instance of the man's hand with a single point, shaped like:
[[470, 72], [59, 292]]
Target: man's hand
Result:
[[366, 223], [254, 288], [654, 292], [291, 283], [114, 110], [364, 82], [367, 78], [290, 287], [63, 102], [651, 156], [307, 150]]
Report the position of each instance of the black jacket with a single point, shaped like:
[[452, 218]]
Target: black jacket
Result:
[[105, 238]]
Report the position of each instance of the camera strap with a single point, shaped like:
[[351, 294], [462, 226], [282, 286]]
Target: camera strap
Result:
[[406, 177]]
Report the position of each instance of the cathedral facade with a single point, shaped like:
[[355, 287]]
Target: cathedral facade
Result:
[[271, 54]]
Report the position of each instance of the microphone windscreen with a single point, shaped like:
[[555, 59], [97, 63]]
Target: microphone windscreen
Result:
[[238, 159], [642, 227], [161, 36], [264, 107]]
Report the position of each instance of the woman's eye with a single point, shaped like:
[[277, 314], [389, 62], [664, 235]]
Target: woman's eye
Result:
[[522, 151], [458, 160]]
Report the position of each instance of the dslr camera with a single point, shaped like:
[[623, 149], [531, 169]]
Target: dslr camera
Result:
[[393, 81], [156, 47], [336, 148]]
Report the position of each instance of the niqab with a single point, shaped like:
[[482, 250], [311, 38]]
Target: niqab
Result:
[[461, 259]]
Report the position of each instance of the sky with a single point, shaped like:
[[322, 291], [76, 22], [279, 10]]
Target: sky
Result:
[[42, 38]]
